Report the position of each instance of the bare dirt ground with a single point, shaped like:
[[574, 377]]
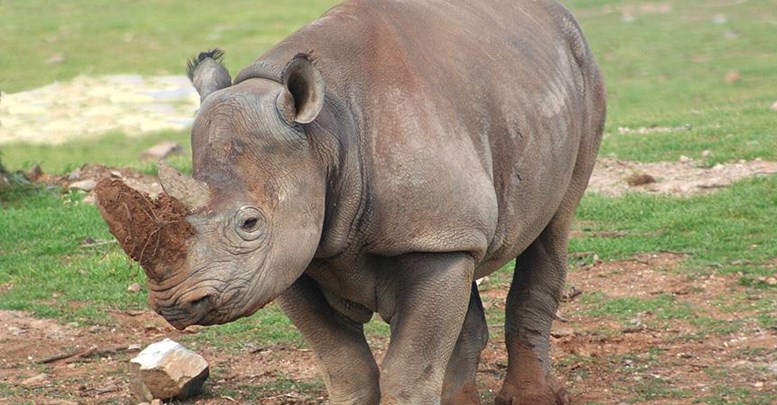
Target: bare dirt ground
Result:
[[603, 358]]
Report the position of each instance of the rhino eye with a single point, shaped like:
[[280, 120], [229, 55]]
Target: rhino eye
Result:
[[249, 223]]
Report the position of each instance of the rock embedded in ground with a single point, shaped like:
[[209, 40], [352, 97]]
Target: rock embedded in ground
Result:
[[162, 150], [83, 185], [166, 370]]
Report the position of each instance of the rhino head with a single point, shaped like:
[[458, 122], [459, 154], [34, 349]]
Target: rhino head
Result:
[[254, 208]]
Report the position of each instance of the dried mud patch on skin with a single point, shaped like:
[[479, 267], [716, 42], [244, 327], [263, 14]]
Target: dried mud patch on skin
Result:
[[151, 232]]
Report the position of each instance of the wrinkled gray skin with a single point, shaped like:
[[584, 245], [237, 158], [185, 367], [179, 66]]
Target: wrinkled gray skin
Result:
[[426, 145]]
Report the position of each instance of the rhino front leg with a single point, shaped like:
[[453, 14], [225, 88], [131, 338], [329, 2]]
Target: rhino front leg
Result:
[[344, 357], [460, 387], [430, 294], [531, 306]]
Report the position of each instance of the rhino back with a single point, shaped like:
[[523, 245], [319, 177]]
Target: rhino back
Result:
[[463, 119]]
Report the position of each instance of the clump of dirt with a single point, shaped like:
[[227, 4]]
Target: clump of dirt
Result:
[[151, 231]]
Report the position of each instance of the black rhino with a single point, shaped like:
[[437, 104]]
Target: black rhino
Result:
[[380, 160]]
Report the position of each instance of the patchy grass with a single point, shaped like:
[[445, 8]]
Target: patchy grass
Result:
[[111, 150], [731, 231], [665, 64]]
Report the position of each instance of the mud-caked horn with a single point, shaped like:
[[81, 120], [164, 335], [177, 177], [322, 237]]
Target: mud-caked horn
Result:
[[192, 193], [207, 73], [151, 231]]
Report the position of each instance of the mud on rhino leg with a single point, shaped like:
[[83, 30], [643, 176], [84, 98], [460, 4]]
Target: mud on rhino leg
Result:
[[432, 295], [531, 306], [343, 355], [460, 386]]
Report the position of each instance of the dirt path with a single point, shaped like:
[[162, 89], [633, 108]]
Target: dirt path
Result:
[[87, 106]]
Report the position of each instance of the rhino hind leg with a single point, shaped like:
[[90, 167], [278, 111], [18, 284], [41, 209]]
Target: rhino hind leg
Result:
[[540, 272], [459, 386]]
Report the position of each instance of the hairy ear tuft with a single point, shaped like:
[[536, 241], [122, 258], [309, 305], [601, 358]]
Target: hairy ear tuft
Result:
[[207, 72]]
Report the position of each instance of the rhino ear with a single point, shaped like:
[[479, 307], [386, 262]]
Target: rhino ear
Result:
[[303, 94], [207, 73]]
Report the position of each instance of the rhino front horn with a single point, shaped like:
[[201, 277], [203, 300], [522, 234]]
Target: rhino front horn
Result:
[[207, 73], [192, 193]]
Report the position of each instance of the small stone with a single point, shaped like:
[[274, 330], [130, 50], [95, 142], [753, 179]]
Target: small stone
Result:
[[55, 59], [107, 388], [719, 19], [165, 370], [157, 402], [35, 173], [83, 185], [38, 379], [684, 159], [134, 287], [706, 153], [562, 332], [771, 281], [732, 76], [774, 106], [161, 151], [74, 175], [640, 179]]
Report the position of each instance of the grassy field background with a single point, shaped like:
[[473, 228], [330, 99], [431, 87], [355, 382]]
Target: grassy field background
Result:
[[666, 65]]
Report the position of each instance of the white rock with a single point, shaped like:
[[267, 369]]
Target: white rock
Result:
[[166, 370], [83, 185]]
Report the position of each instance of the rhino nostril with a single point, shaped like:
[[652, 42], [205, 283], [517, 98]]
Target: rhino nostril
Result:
[[201, 305]]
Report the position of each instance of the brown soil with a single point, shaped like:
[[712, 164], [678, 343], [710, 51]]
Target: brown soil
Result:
[[604, 358], [151, 232]]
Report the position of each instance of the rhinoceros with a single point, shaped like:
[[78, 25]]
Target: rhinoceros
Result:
[[380, 160]]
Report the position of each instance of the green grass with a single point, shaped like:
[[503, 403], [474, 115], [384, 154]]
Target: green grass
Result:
[[113, 149], [668, 69], [720, 230], [98, 37], [52, 271], [663, 307]]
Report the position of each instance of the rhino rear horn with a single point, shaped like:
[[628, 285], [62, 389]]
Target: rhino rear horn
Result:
[[207, 73], [303, 95], [192, 193]]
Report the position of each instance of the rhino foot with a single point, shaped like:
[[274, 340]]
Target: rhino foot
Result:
[[551, 392]]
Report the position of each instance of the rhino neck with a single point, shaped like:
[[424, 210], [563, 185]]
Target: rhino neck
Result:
[[261, 69], [333, 134]]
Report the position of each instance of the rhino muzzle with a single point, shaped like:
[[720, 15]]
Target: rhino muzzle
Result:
[[183, 314]]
